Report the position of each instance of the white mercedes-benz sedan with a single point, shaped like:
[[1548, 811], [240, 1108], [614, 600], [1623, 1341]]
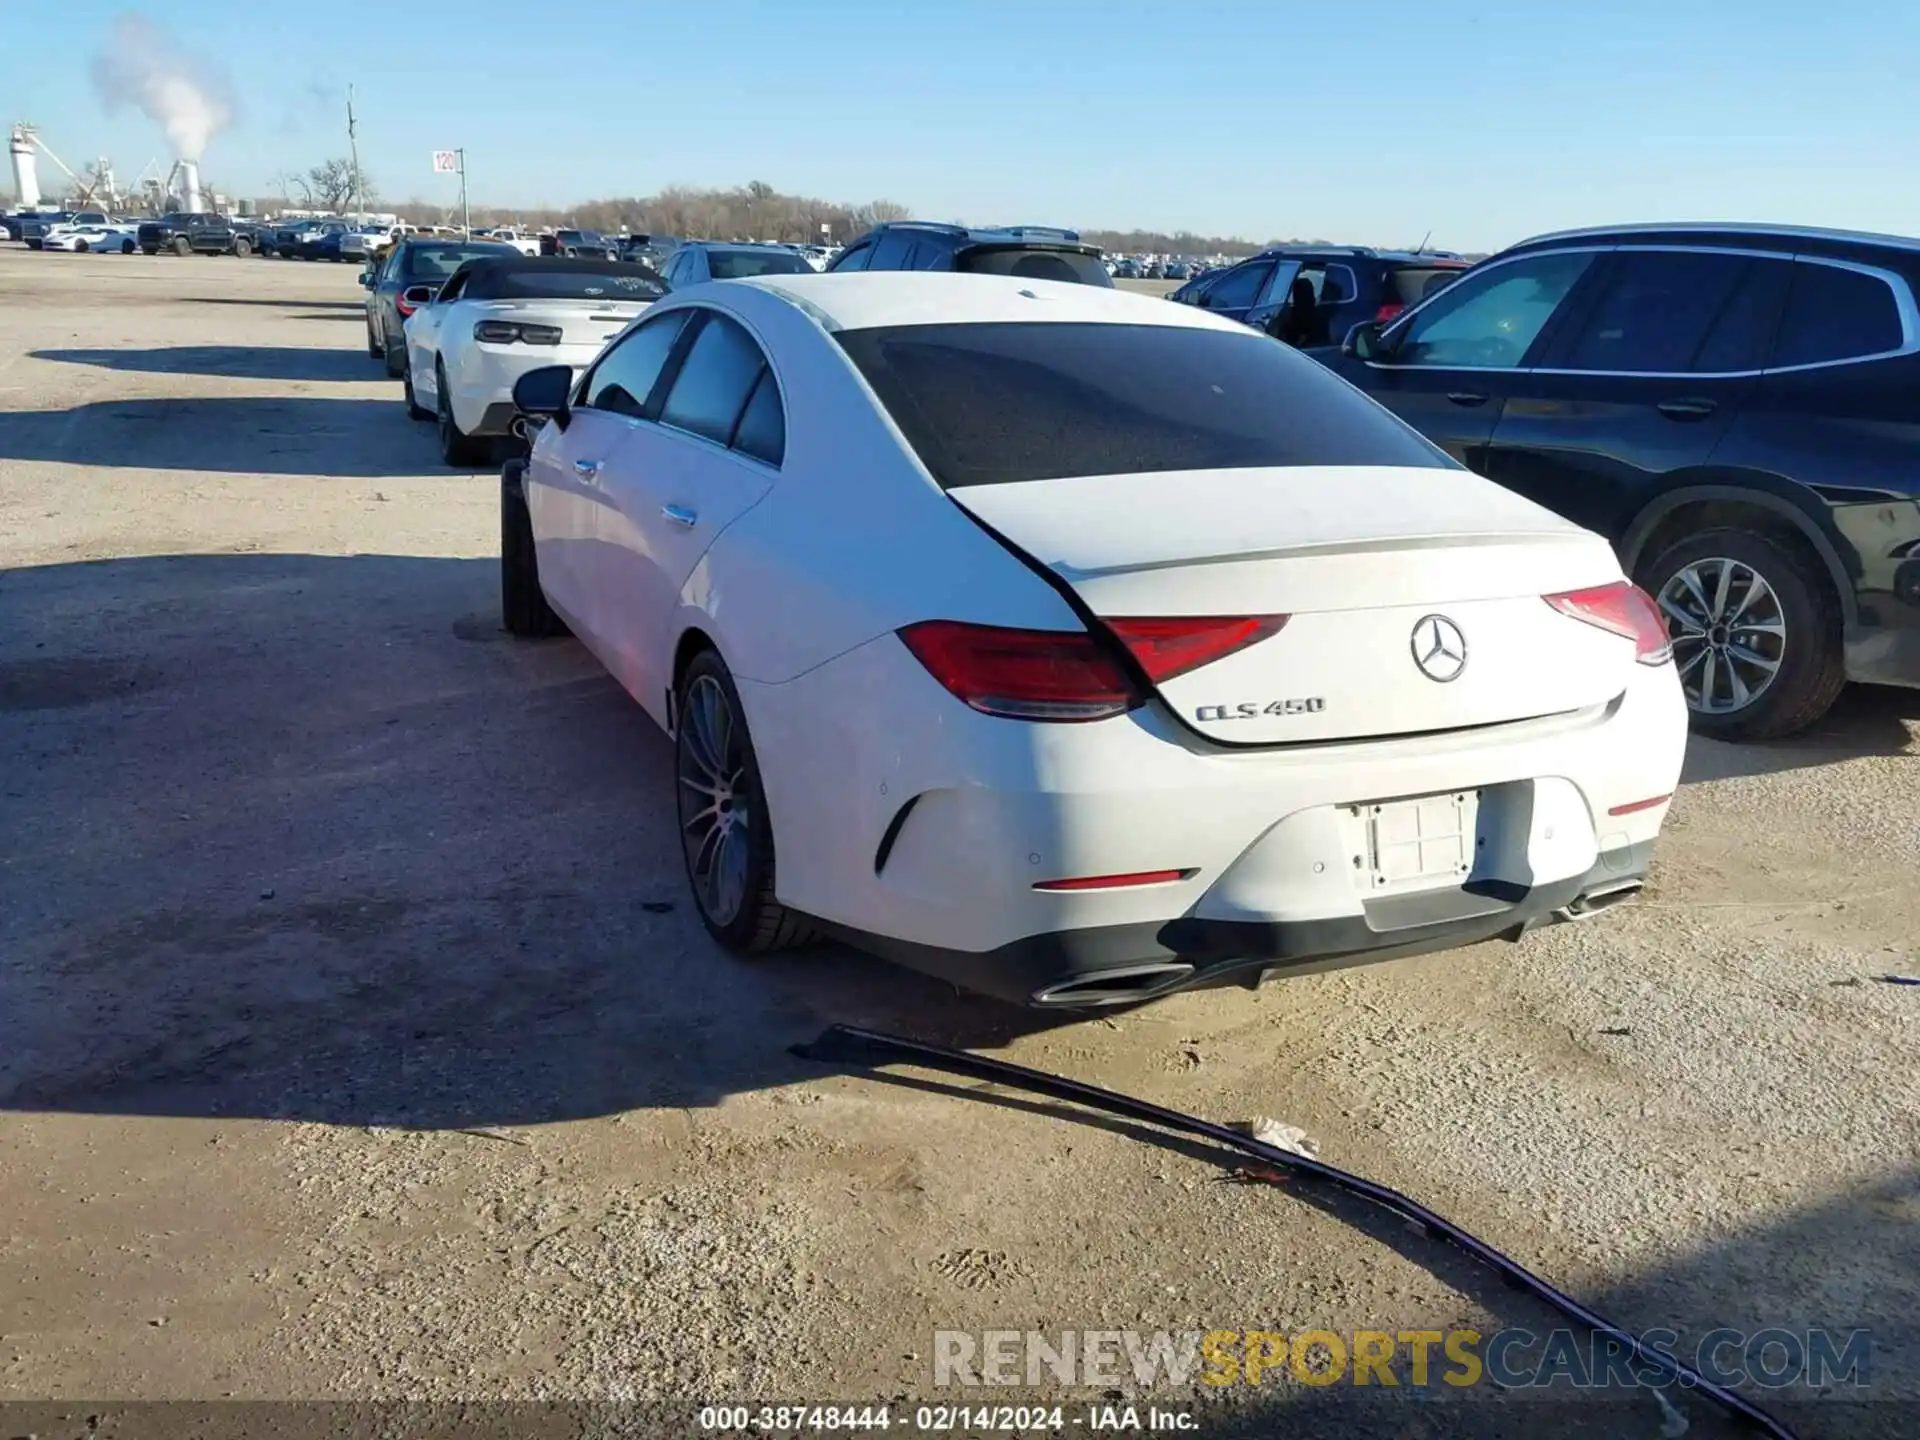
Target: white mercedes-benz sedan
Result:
[[497, 317], [1078, 647]]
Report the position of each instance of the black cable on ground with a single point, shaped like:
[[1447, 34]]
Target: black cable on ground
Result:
[[847, 1045]]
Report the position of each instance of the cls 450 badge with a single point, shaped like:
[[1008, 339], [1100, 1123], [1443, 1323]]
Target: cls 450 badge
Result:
[[1254, 710]]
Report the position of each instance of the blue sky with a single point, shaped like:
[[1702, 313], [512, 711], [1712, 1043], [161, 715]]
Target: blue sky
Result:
[[1480, 121]]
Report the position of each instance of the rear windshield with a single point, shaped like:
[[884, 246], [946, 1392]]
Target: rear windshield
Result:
[[744, 264], [549, 282], [1002, 403], [1411, 285], [1072, 266], [439, 261]]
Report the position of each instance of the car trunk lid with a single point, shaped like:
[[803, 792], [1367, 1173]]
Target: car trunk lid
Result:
[[593, 320], [1413, 598]]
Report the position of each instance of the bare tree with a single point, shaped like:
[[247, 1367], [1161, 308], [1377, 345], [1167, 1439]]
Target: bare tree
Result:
[[336, 185]]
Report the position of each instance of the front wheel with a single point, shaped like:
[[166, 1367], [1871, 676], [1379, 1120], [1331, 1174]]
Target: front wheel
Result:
[[80, 247], [1756, 632], [726, 837], [182, 245], [127, 247], [242, 247]]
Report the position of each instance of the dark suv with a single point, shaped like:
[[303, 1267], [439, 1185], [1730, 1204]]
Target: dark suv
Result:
[[1737, 407], [198, 233], [1034, 252], [1311, 295], [580, 245]]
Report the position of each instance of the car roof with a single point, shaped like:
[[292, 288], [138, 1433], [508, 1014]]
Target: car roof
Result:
[[1742, 234], [872, 299]]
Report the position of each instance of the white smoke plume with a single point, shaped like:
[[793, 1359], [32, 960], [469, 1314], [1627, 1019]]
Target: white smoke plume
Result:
[[139, 65]]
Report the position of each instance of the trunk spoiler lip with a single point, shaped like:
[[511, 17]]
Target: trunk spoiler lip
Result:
[[849, 1046], [1382, 544]]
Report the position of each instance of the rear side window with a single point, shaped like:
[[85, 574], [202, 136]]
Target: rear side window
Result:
[[1836, 314], [762, 431], [1070, 266], [625, 377], [1743, 332], [1410, 286], [741, 264], [715, 381], [1003, 403], [1655, 311], [890, 253]]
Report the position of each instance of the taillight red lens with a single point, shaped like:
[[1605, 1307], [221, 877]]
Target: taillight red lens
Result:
[[1174, 645], [1023, 674], [1387, 312], [1624, 609], [400, 304]]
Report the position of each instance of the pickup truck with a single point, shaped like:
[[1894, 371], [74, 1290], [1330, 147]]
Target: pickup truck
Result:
[[198, 233]]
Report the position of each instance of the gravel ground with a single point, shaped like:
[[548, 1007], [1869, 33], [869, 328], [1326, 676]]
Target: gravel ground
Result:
[[356, 1041]]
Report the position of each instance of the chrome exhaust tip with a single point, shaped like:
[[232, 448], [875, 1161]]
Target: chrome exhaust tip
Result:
[[1123, 986], [1601, 897]]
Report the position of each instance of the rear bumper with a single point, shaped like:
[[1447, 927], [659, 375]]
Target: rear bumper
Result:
[[1125, 964], [482, 397]]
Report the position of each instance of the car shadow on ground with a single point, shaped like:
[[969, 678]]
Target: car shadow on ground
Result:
[[236, 362], [1865, 720], [290, 304], [229, 434], [1822, 1276], [308, 837]]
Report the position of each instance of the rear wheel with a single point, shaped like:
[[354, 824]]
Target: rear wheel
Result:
[[457, 448], [1756, 632], [182, 245], [127, 247], [523, 604], [726, 838]]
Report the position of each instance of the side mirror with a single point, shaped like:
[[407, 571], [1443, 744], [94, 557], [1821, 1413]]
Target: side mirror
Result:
[[543, 394], [418, 295], [366, 279], [1363, 341]]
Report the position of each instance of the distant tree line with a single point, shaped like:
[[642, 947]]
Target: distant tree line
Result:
[[754, 211]]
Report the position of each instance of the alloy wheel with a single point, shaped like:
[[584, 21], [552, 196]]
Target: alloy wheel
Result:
[[716, 803], [1729, 633]]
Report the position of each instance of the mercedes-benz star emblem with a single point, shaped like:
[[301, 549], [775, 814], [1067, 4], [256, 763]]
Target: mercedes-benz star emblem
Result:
[[1439, 649]]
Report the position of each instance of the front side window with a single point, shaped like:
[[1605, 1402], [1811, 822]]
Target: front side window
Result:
[[993, 404], [854, 259], [1834, 313], [715, 381], [1239, 288], [1655, 311], [626, 375], [1490, 321]]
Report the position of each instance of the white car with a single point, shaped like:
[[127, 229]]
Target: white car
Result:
[[107, 239], [526, 244], [1077, 647], [493, 320]]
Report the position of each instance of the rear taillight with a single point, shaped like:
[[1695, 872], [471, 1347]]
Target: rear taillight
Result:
[[506, 332], [1172, 646], [1023, 674], [1387, 311], [1625, 610], [400, 304]]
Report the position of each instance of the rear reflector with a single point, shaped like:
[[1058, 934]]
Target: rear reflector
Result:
[[1055, 675], [1173, 646], [1623, 609], [1387, 311], [1634, 807], [1115, 882]]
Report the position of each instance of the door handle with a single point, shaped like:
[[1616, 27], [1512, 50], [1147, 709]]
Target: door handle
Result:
[[1467, 397], [680, 515], [1686, 409], [586, 469]]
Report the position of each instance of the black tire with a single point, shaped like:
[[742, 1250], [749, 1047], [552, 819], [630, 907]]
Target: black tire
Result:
[[396, 356], [523, 604], [242, 247], [79, 247], [1810, 669], [755, 923], [127, 247], [376, 348], [415, 411], [182, 245], [457, 448]]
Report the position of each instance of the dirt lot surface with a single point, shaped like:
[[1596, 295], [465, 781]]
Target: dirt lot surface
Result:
[[356, 1038]]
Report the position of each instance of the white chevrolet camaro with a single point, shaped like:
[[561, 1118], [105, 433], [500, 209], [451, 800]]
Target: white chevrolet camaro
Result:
[[497, 317], [1078, 647]]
